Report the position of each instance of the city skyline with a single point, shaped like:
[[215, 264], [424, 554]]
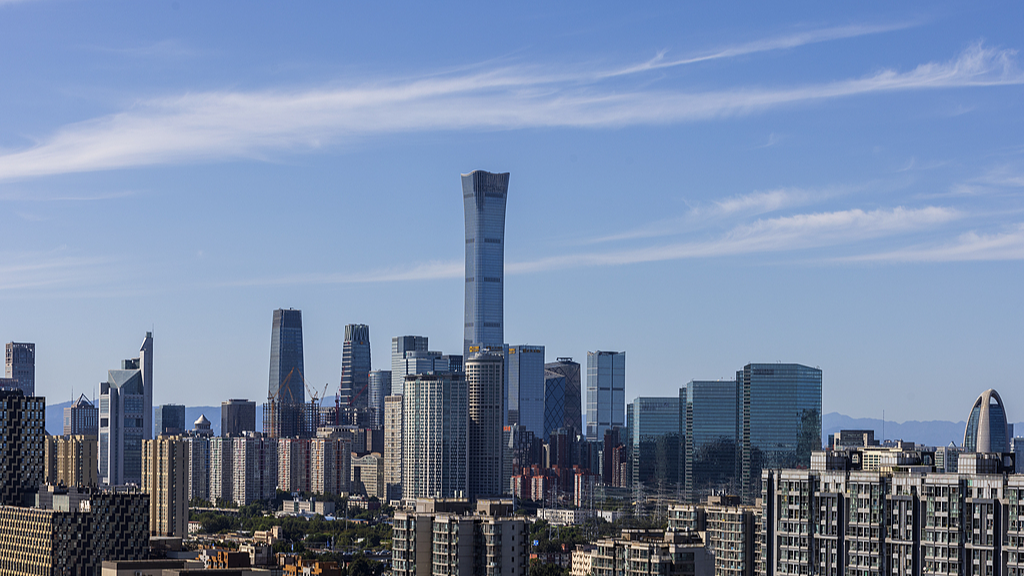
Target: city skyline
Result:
[[840, 189]]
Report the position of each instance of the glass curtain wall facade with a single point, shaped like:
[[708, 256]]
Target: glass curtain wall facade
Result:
[[170, 419], [378, 388], [355, 366], [525, 401], [711, 420], [606, 392], [283, 414], [781, 420], [400, 345], [484, 195], [654, 437], [986, 429], [563, 404]]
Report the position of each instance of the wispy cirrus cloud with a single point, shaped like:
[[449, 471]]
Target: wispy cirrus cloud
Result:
[[789, 233], [763, 45], [212, 126], [970, 246]]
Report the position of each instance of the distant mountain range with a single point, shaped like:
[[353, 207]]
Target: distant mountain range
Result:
[[930, 433]]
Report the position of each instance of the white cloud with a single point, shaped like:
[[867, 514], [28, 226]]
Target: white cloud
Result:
[[970, 246], [212, 126], [764, 45]]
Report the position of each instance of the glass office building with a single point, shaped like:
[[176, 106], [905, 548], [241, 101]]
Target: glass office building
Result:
[[484, 195], [780, 420], [525, 401], [711, 429], [286, 370], [355, 366], [379, 388], [400, 346], [170, 419], [653, 428], [606, 392], [562, 398]]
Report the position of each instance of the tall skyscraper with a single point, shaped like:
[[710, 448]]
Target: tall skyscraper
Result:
[[355, 366], [170, 420], [606, 392], [283, 416], [22, 446], [237, 416], [435, 436], [654, 434], [21, 366], [82, 417], [400, 345], [562, 397], [987, 427], [711, 429], [525, 400], [780, 420], [484, 195], [126, 417], [378, 388], [484, 373]]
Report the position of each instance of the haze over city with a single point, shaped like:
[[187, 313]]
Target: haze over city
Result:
[[700, 189]]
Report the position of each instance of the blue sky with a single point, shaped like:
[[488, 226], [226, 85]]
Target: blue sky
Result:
[[700, 187]]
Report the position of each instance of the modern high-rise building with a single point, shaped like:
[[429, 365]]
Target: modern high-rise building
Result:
[[654, 434], [22, 446], [283, 416], [21, 366], [987, 427], [400, 345], [222, 477], [170, 420], [393, 447], [378, 388], [165, 478], [780, 420], [525, 399], [82, 417], [606, 392], [435, 436], [711, 429], [484, 195], [562, 398], [355, 366], [484, 373], [126, 417], [293, 461], [237, 416]]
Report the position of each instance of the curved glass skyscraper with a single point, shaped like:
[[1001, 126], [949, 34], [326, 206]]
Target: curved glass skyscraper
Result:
[[484, 196], [986, 428]]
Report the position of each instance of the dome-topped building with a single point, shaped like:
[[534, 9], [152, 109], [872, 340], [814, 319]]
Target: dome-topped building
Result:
[[986, 428], [203, 426]]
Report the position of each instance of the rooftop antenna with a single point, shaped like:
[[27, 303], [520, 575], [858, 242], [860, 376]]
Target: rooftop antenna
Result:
[[883, 424]]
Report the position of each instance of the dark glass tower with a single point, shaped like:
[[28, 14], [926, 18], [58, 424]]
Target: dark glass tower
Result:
[[780, 420], [355, 366], [563, 402], [283, 416], [170, 419], [710, 417], [484, 196]]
